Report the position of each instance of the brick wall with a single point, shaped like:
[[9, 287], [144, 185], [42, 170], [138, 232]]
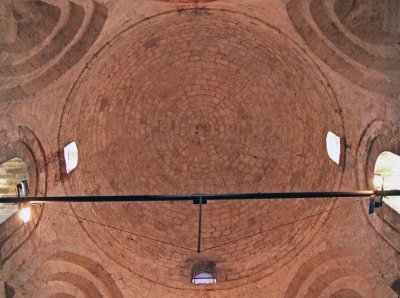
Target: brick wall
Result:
[[192, 97]]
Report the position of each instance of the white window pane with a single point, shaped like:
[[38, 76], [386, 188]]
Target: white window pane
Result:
[[71, 157], [204, 278], [333, 147]]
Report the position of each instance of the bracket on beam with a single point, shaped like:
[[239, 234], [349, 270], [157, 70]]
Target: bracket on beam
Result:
[[196, 201], [373, 203]]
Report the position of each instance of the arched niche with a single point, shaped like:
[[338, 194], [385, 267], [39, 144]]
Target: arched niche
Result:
[[379, 136], [21, 142], [388, 166], [12, 172]]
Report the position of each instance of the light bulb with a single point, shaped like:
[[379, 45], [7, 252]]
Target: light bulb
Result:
[[25, 214], [378, 182]]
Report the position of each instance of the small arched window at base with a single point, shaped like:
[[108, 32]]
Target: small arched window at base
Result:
[[71, 157], [388, 167], [335, 148], [203, 272]]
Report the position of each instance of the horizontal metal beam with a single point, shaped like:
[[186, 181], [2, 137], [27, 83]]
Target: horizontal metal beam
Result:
[[207, 197]]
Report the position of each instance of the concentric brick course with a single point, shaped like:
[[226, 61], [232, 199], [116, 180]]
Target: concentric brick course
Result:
[[69, 275], [200, 101], [339, 272], [47, 40], [358, 39]]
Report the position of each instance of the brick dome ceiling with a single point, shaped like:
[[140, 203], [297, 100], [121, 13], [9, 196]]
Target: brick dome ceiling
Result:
[[200, 102], [199, 96]]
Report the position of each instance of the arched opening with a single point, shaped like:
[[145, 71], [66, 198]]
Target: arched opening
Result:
[[203, 272], [71, 157], [388, 167], [12, 172], [333, 147]]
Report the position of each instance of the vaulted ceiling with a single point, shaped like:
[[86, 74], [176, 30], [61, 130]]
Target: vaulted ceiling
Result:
[[180, 97]]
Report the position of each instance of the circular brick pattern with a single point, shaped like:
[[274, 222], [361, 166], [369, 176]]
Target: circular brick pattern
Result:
[[211, 102]]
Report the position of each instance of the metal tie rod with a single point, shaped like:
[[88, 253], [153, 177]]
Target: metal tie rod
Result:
[[205, 197]]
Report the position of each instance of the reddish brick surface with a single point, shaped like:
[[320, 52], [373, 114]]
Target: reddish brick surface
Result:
[[200, 104], [188, 97]]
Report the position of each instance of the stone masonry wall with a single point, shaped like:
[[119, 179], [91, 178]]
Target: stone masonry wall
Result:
[[178, 97]]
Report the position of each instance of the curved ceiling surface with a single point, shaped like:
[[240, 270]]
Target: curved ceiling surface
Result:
[[201, 102]]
